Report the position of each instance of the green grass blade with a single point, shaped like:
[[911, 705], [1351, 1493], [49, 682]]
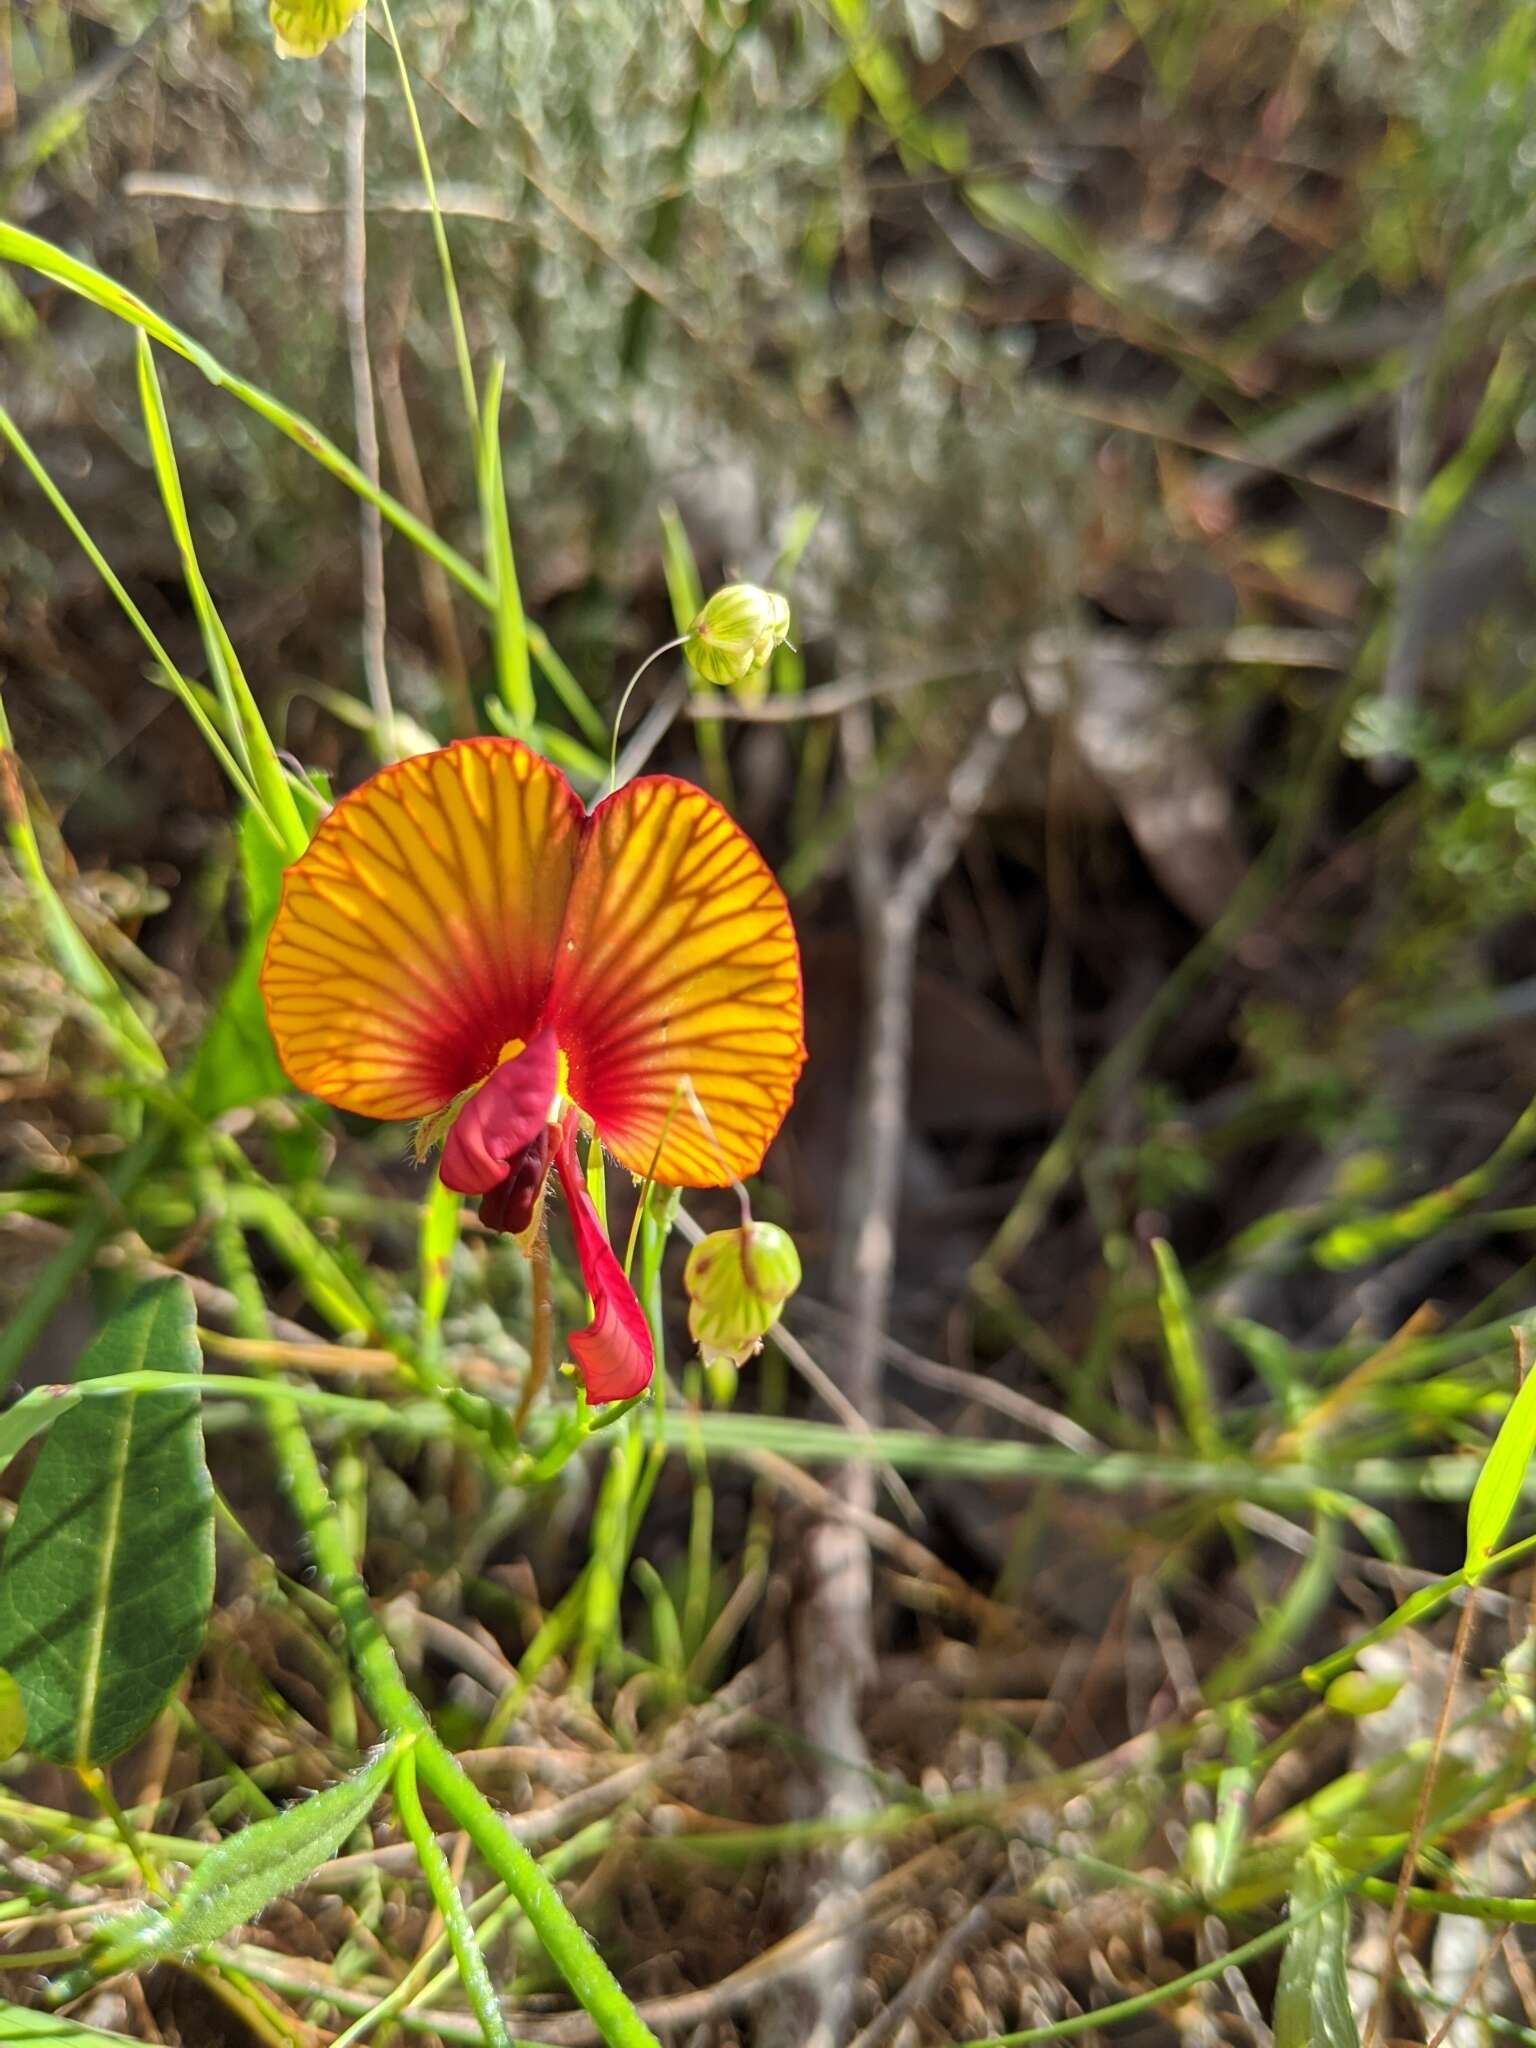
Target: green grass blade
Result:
[[248, 729], [17, 246], [680, 568], [196, 700], [514, 676], [1497, 1492], [1186, 1365]]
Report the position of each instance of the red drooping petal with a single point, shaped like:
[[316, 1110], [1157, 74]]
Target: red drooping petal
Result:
[[501, 1119], [613, 1353], [678, 977], [418, 932]]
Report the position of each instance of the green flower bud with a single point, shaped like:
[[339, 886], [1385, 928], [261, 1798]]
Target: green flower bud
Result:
[[733, 637], [738, 1282], [1357, 1694], [302, 28]]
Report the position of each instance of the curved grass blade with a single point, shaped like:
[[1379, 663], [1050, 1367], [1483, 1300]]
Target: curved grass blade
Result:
[[247, 727], [18, 246]]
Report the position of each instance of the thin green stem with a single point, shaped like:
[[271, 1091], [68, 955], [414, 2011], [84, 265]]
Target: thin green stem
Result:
[[473, 1973], [439, 236]]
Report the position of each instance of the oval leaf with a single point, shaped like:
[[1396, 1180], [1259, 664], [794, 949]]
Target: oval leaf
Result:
[[1312, 2008], [107, 1575], [239, 1879], [1497, 1491]]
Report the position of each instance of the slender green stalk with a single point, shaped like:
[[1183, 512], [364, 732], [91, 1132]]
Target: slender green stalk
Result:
[[514, 676], [473, 1973], [439, 236]]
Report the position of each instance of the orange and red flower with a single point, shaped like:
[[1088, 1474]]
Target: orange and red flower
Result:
[[461, 928]]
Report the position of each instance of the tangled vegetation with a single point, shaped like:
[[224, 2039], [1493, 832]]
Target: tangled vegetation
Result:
[[1048, 1556]]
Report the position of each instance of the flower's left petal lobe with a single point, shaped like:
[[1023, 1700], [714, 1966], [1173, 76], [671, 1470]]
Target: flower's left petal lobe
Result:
[[501, 1119], [678, 964], [418, 932], [614, 1352]]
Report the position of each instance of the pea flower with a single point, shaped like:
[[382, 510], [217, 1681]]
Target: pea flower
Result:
[[733, 638], [738, 1282], [463, 943], [302, 28]]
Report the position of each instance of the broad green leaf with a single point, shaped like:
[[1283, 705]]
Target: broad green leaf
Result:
[[1497, 1491], [13, 1717], [1312, 2008], [107, 1574], [236, 1881]]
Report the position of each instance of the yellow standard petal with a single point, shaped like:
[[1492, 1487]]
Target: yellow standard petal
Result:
[[677, 996], [417, 936]]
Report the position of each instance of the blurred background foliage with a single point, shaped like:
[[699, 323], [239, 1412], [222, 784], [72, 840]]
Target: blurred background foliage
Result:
[[1172, 357]]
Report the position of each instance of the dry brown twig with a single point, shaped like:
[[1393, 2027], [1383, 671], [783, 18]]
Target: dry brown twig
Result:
[[355, 305], [832, 1647]]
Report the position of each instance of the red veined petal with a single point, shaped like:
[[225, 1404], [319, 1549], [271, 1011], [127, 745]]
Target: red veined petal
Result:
[[501, 1119], [678, 963], [418, 932], [613, 1353]]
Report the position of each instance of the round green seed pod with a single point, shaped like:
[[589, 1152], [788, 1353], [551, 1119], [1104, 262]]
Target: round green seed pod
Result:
[[738, 1282], [732, 640]]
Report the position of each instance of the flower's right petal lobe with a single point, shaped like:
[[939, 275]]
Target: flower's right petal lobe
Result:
[[614, 1352], [678, 970], [418, 933]]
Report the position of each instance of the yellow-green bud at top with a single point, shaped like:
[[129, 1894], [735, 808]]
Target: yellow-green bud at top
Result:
[[733, 638], [302, 28], [738, 1282]]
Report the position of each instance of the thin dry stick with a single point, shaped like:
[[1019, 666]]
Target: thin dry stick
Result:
[[354, 292], [1474, 1986], [923, 1983], [833, 1632]]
